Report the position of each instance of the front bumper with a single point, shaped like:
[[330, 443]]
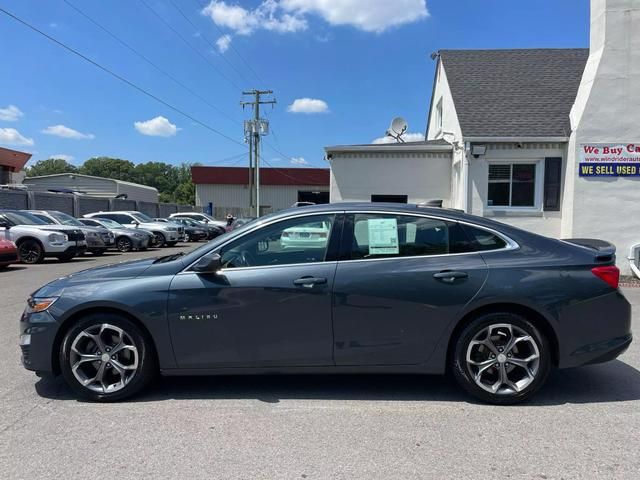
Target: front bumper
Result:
[[63, 248], [37, 336]]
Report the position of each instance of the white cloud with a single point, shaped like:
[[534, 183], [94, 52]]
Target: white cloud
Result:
[[11, 113], [156, 127], [11, 136], [269, 15], [223, 43], [284, 16], [62, 156], [308, 105], [66, 132], [368, 15], [407, 137], [298, 161]]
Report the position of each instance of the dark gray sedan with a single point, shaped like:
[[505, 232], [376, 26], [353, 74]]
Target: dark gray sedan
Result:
[[126, 239], [384, 288]]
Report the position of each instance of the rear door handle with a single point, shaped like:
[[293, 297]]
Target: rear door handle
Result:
[[309, 282], [450, 276]]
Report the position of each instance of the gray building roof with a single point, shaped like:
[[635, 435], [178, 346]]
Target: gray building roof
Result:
[[513, 93]]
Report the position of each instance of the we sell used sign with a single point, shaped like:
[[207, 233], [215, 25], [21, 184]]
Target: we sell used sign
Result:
[[609, 160]]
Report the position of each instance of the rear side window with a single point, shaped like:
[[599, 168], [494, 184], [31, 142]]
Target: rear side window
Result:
[[483, 240], [382, 235]]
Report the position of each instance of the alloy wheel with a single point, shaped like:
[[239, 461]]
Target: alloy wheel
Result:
[[103, 358], [30, 252], [124, 244], [503, 359]]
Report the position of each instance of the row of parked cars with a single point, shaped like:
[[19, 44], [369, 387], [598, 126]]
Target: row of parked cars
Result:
[[29, 236]]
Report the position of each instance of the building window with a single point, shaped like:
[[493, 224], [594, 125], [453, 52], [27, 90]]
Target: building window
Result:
[[390, 198], [512, 185], [439, 115]]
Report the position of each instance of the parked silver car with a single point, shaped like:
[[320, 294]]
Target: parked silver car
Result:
[[126, 239], [166, 233]]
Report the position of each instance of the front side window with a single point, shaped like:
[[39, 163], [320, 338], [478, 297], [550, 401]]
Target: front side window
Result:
[[298, 240], [512, 185]]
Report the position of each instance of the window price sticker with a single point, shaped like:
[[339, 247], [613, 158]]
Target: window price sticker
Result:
[[383, 236]]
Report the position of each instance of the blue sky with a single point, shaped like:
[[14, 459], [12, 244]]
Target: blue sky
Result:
[[366, 61]]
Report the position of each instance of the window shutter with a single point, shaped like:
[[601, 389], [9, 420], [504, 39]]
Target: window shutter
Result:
[[552, 180]]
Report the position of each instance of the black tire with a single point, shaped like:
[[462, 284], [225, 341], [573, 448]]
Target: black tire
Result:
[[67, 257], [98, 251], [124, 244], [160, 239], [464, 372], [146, 362], [187, 237], [30, 251], [171, 244]]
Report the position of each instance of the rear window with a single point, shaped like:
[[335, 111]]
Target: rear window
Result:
[[483, 240]]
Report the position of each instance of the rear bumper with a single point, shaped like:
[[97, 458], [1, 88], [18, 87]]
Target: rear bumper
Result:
[[594, 331]]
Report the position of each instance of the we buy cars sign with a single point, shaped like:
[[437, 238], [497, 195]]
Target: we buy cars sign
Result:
[[609, 160]]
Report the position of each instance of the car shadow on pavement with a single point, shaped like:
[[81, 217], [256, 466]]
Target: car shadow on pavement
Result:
[[611, 382]]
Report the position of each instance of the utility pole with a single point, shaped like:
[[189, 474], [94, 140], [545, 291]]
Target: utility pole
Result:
[[253, 130]]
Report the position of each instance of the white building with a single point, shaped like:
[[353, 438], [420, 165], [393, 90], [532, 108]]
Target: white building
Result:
[[222, 190], [544, 139], [92, 186]]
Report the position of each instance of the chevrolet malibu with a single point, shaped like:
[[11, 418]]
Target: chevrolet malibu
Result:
[[392, 289]]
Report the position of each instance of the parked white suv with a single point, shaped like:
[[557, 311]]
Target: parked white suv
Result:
[[36, 240], [166, 233]]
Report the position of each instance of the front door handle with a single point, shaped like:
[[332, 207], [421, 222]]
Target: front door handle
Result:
[[450, 276], [309, 282]]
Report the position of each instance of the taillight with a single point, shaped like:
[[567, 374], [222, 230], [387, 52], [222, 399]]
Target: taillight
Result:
[[610, 274]]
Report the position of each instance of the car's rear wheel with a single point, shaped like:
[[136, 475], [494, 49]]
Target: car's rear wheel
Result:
[[124, 244], [30, 251], [106, 357], [66, 257], [501, 358]]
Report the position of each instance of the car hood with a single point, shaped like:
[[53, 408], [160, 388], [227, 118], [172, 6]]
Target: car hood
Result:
[[115, 271], [51, 228]]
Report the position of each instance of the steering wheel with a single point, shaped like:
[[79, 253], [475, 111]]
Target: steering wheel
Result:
[[240, 259]]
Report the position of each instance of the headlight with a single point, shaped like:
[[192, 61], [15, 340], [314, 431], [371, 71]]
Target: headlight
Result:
[[58, 237], [35, 305]]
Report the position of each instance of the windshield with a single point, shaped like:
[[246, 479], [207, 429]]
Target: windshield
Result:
[[23, 218], [66, 219], [141, 217], [110, 223]]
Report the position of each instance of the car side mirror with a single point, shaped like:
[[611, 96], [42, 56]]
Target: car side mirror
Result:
[[210, 263], [4, 225]]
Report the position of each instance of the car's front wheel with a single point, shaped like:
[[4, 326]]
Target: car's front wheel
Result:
[[160, 239], [501, 358], [30, 251], [124, 244], [106, 357]]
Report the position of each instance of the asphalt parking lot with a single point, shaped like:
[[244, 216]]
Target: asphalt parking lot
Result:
[[584, 424]]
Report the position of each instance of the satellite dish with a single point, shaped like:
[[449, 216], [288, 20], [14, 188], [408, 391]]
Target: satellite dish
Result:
[[398, 126], [397, 129]]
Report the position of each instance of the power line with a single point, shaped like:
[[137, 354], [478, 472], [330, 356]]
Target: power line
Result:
[[159, 69], [195, 28], [186, 42], [119, 77], [236, 50]]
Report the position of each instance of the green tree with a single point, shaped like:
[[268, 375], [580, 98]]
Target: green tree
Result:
[[50, 167], [108, 167]]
